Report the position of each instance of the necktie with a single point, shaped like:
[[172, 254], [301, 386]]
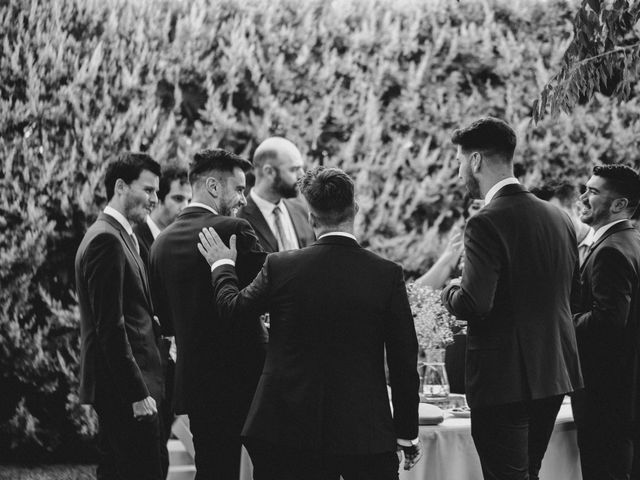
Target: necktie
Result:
[[135, 242], [283, 241], [583, 251]]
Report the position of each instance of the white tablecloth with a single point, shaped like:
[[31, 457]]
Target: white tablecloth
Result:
[[449, 453]]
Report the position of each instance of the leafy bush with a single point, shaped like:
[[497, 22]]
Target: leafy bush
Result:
[[374, 87]]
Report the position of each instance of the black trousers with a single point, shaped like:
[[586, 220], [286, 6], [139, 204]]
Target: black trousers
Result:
[[274, 462], [511, 439], [217, 446], [605, 438], [130, 449]]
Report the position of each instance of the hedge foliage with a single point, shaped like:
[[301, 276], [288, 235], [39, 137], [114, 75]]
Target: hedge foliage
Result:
[[374, 87]]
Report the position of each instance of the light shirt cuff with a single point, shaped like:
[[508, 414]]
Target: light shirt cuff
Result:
[[224, 261], [407, 443]]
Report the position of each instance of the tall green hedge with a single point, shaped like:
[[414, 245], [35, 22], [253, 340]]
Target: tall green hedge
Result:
[[374, 87]]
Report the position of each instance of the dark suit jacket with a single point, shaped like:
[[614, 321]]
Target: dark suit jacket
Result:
[[145, 239], [334, 308], [219, 359], [520, 258], [607, 317], [120, 361], [299, 218]]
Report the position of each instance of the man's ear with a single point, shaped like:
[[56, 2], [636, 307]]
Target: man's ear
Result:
[[619, 205], [476, 161], [213, 186], [356, 207], [119, 186], [313, 220]]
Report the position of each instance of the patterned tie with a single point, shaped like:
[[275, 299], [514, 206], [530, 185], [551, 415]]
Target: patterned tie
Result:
[[283, 240], [135, 242]]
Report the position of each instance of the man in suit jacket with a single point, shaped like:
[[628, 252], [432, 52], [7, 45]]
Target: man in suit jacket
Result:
[[219, 361], [321, 408], [121, 373], [607, 322], [277, 216], [520, 257], [174, 194]]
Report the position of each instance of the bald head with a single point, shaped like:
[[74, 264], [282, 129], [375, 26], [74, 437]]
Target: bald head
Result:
[[277, 165]]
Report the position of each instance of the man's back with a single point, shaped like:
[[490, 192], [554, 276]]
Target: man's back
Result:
[[521, 258], [334, 307], [209, 350]]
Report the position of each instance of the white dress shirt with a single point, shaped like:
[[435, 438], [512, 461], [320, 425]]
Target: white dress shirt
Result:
[[112, 212], [266, 208], [153, 226], [496, 188]]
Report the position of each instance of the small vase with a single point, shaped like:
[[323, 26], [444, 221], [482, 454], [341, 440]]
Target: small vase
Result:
[[433, 375]]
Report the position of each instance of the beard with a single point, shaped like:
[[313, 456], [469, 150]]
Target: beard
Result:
[[473, 186], [283, 189]]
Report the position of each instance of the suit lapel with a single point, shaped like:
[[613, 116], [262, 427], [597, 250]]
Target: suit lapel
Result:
[[618, 227], [128, 241], [297, 220], [259, 224]]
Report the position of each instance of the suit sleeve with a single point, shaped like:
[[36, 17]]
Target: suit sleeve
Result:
[[251, 256], [473, 298], [159, 294], [235, 303], [611, 288], [402, 356], [104, 269]]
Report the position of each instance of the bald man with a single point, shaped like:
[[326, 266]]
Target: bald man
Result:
[[279, 219]]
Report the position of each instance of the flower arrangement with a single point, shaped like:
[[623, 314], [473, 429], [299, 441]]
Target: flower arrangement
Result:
[[432, 321]]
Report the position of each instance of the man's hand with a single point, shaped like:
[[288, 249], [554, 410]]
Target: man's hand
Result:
[[213, 248], [144, 408], [412, 454]]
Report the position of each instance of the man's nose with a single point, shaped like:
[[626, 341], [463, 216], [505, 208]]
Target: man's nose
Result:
[[243, 200]]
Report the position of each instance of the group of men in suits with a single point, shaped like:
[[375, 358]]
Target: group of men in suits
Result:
[[312, 402]]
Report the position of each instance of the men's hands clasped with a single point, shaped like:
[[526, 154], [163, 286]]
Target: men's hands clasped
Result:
[[412, 455], [213, 248]]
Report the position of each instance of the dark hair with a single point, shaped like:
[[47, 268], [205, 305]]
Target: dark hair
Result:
[[566, 192], [487, 135], [329, 193], [169, 175], [623, 180], [215, 159], [128, 167]]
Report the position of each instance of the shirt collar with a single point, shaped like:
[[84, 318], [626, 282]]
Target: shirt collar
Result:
[[588, 238], [153, 226], [602, 230], [496, 188], [202, 205], [339, 234], [112, 212], [264, 205]]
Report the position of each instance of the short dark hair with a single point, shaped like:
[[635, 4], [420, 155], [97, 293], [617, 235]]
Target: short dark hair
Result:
[[128, 167], [623, 180], [565, 191], [488, 135], [329, 193], [170, 174], [215, 159]]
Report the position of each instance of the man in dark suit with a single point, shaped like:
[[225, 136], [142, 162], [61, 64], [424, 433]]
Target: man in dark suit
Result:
[[520, 258], [607, 322], [219, 360], [121, 373], [174, 194], [321, 408], [277, 216]]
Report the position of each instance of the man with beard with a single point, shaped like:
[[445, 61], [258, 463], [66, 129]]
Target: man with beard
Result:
[[278, 217], [607, 322], [121, 372], [519, 261], [218, 360]]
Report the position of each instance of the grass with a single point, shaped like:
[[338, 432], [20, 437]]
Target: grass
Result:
[[48, 472]]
